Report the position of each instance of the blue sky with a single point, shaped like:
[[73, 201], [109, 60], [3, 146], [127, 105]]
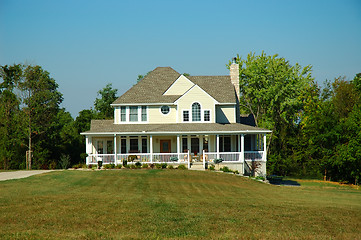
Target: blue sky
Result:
[[87, 44]]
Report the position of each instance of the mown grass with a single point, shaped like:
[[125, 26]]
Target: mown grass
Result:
[[172, 204]]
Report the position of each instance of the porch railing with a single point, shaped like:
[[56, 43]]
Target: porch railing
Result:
[[186, 158], [105, 158]]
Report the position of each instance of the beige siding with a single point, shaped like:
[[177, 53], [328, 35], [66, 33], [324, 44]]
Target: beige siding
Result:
[[180, 86], [117, 115], [156, 116], [226, 114], [156, 143], [196, 94]]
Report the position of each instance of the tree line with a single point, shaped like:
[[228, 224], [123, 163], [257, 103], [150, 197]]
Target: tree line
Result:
[[35, 132], [316, 129]]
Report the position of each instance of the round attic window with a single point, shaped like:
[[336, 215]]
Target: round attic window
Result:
[[164, 109]]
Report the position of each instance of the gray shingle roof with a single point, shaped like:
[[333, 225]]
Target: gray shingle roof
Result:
[[108, 126], [151, 88]]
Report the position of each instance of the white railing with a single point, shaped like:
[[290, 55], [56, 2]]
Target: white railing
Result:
[[253, 155], [169, 157], [105, 158], [233, 156]]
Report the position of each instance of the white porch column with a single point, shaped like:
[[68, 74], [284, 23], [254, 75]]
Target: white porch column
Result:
[[239, 143], [151, 148], [200, 144], [115, 149], [242, 153], [178, 146], [88, 144], [264, 158], [217, 146], [140, 144], [242, 147]]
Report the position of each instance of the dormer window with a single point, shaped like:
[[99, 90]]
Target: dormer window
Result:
[[196, 112], [165, 110]]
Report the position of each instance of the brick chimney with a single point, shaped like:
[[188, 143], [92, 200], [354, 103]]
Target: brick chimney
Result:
[[234, 72]]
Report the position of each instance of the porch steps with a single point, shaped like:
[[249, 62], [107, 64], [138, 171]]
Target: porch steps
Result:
[[197, 166]]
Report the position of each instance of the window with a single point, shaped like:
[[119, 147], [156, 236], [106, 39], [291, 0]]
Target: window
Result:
[[133, 114], [123, 145], [133, 145], [123, 114], [184, 144], [225, 143], [100, 147], [165, 109], [144, 145], [207, 115], [144, 113], [195, 145], [185, 116], [205, 144], [196, 112], [110, 147]]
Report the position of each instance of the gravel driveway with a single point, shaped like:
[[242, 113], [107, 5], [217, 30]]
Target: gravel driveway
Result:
[[21, 174]]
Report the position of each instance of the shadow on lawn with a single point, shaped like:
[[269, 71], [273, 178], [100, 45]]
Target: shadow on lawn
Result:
[[282, 182]]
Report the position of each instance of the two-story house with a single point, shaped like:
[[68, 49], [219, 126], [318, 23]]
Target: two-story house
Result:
[[169, 117]]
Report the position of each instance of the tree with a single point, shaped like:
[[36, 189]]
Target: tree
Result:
[[102, 104], [41, 101], [10, 124], [272, 90]]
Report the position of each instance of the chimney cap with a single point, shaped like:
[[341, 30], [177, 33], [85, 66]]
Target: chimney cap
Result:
[[234, 60]]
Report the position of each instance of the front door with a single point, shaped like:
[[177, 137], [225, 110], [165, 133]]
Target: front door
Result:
[[165, 146]]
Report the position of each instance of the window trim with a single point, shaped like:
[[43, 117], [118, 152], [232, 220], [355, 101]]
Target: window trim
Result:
[[189, 119], [200, 111], [165, 114]]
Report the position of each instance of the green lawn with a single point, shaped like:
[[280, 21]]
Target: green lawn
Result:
[[173, 204]]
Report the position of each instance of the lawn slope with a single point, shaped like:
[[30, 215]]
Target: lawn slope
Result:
[[174, 204]]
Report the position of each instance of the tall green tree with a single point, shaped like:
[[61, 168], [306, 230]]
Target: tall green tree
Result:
[[41, 101], [10, 120], [102, 104], [272, 90]]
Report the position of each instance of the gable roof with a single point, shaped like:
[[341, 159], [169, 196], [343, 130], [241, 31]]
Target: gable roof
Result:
[[152, 87]]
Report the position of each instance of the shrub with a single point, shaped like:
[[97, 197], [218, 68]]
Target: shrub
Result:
[[132, 166], [145, 165], [125, 163], [52, 165], [174, 159], [260, 178], [152, 165], [182, 167], [212, 168], [79, 165], [131, 158], [170, 167], [119, 166], [100, 164], [225, 169], [158, 166], [94, 167], [164, 165], [236, 172], [64, 161], [138, 164], [218, 160]]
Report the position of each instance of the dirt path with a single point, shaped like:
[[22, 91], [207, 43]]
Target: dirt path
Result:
[[21, 174]]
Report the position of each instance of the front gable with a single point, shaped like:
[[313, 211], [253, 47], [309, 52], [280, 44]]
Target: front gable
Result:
[[196, 94], [180, 86]]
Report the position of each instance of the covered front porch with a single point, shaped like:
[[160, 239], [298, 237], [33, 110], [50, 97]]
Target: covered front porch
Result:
[[237, 151]]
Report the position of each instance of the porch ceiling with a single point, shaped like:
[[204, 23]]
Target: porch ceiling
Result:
[[108, 127]]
